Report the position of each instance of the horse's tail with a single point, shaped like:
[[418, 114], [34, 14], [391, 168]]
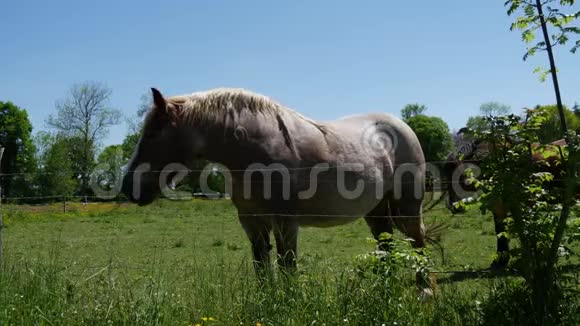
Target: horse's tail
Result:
[[434, 202], [433, 233]]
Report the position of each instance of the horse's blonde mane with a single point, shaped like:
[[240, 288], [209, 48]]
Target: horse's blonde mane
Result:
[[216, 106]]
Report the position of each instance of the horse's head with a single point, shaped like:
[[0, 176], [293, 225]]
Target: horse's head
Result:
[[164, 141]]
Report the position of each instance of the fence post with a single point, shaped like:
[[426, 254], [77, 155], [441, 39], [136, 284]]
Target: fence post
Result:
[[1, 222]]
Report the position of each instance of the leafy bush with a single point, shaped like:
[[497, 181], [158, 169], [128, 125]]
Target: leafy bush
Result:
[[516, 180], [434, 136]]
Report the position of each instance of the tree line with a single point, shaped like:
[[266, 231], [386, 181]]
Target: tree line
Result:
[[61, 160], [57, 162], [64, 159]]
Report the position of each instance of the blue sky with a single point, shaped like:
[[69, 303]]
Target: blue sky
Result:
[[326, 59]]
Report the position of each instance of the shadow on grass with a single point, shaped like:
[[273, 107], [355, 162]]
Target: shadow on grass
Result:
[[490, 273], [481, 274]]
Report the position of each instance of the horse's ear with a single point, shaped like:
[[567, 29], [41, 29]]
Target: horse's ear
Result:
[[158, 99], [169, 111]]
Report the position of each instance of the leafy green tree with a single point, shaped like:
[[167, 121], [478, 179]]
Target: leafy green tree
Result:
[[85, 114], [539, 15], [434, 136], [78, 148], [129, 145], [15, 137], [110, 154], [536, 16], [106, 177], [411, 110], [477, 123], [517, 182], [550, 129], [56, 175]]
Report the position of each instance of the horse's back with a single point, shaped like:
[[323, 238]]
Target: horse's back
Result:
[[377, 131]]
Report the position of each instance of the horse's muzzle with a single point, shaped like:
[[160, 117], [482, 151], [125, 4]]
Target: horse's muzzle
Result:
[[142, 196]]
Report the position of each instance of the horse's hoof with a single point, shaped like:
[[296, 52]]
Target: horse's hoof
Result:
[[500, 263]]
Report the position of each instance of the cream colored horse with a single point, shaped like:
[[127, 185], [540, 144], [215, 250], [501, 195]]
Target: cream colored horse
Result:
[[286, 170]]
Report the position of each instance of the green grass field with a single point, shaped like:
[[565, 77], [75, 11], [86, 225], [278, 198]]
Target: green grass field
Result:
[[178, 263]]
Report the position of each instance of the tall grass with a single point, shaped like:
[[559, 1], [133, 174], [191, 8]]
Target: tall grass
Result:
[[51, 293], [220, 293], [156, 267]]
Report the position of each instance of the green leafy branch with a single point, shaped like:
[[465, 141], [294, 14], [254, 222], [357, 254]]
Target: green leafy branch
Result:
[[536, 12]]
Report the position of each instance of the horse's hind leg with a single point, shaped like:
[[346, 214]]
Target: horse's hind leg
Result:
[[408, 219], [503, 254], [380, 222], [258, 231]]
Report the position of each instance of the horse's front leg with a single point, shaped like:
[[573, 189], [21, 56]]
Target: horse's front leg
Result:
[[286, 234], [407, 215], [258, 231]]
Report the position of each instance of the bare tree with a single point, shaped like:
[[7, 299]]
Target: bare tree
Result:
[[85, 113], [494, 109], [135, 122]]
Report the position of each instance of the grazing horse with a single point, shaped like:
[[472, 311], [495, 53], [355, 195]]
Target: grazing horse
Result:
[[470, 154], [285, 170]]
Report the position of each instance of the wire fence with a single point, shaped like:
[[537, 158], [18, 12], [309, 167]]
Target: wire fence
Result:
[[79, 204], [73, 204], [251, 168], [85, 207], [288, 177], [106, 208], [97, 206], [88, 270], [449, 269]]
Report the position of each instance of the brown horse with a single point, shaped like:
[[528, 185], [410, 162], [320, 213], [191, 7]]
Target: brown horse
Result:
[[285, 170], [470, 155]]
